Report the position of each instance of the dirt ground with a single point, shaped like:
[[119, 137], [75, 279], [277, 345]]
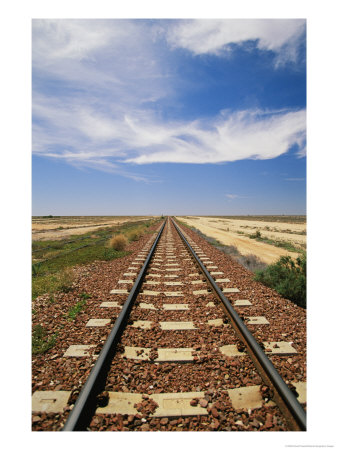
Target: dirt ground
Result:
[[60, 227], [226, 232]]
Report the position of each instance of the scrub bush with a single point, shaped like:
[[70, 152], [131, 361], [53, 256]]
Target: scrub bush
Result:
[[118, 242], [287, 277]]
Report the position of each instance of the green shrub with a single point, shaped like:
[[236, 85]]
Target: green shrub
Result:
[[287, 277], [36, 269], [257, 235], [282, 244]]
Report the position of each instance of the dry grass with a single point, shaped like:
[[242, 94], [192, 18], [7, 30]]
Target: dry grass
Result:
[[118, 242], [66, 278], [134, 235], [59, 227], [61, 281]]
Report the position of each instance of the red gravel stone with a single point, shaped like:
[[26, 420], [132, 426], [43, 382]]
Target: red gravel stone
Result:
[[211, 372], [214, 412], [203, 403]]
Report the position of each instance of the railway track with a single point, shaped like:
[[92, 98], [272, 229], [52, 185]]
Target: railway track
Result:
[[180, 356]]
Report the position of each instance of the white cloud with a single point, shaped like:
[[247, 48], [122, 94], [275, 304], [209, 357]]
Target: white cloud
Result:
[[78, 132], [215, 36], [96, 84], [88, 76], [230, 137], [233, 196], [117, 59], [70, 39]]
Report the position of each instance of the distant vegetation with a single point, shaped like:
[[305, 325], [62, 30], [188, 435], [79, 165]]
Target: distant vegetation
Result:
[[136, 233], [267, 218], [277, 243], [250, 262], [120, 241], [287, 277], [53, 260]]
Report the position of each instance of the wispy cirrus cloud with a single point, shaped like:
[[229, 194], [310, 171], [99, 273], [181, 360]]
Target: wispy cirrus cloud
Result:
[[202, 36], [231, 136], [88, 75], [78, 132], [98, 87], [117, 58], [233, 196]]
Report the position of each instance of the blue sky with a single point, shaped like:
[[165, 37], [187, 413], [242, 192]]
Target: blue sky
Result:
[[169, 116]]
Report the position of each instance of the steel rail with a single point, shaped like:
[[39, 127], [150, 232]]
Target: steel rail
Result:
[[84, 408], [290, 406]]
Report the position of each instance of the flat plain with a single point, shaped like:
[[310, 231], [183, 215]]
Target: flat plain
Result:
[[235, 231], [59, 227]]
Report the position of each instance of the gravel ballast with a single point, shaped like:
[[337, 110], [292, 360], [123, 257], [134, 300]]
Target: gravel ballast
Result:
[[211, 372]]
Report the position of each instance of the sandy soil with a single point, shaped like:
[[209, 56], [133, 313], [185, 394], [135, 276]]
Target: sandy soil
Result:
[[45, 229], [290, 232], [225, 231]]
